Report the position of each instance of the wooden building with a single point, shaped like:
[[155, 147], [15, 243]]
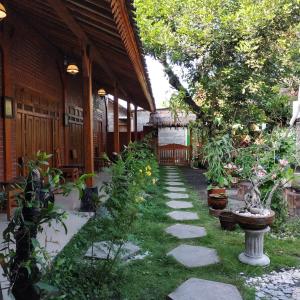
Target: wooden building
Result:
[[46, 108]]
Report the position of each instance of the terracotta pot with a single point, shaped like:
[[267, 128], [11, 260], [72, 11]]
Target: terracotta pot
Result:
[[216, 191], [215, 212], [217, 201], [254, 223], [227, 220]]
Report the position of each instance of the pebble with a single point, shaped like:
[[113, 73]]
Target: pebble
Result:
[[279, 285]]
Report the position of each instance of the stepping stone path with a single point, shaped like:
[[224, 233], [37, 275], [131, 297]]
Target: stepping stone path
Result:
[[182, 231], [183, 215], [179, 204], [175, 189], [177, 196], [200, 289], [192, 256], [101, 250]]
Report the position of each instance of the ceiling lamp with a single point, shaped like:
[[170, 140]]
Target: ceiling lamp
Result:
[[102, 93], [72, 69], [2, 11]]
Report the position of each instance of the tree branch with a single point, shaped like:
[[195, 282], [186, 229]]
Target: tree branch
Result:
[[177, 85]]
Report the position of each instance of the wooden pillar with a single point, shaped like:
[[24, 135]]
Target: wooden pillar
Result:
[[116, 122], [128, 122], [191, 144], [64, 82], [88, 116], [135, 123], [8, 123]]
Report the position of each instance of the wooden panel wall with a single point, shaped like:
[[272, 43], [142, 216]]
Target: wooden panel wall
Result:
[[1, 122], [37, 85], [36, 67]]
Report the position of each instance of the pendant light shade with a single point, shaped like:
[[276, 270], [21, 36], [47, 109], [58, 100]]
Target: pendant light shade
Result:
[[102, 92], [3, 13], [72, 69]]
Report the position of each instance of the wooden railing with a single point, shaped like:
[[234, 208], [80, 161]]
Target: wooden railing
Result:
[[174, 154]]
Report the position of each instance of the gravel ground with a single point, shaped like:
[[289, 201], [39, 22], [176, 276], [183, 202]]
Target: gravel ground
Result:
[[281, 285]]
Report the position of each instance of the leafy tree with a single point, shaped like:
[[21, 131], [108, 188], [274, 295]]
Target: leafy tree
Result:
[[236, 55]]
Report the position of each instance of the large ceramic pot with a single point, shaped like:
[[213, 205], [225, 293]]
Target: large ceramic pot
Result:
[[217, 201], [216, 190], [227, 220], [254, 223]]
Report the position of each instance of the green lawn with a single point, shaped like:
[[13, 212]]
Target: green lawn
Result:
[[157, 275]]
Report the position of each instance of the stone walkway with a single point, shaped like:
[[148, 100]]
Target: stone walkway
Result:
[[187, 255]]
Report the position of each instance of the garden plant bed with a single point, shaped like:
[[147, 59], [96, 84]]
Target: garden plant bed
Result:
[[157, 275]]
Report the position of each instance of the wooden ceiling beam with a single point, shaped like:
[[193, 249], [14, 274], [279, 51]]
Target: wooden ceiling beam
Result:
[[99, 27], [65, 15], [128, 35], [84, 10]]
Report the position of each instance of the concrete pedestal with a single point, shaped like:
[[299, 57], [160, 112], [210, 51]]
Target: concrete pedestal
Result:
[[254, 248]]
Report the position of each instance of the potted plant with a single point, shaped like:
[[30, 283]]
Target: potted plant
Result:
[[257, 215], [227, 220], [217, 153], [217, 201], [23, 258]]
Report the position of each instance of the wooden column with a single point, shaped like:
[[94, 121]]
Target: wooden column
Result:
[[116, 122], [88, 116], [135, 123], [9, 147], [128, 122], [64, 81], [191, 144]]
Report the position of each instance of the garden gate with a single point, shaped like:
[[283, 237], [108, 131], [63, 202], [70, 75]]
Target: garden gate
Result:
[[174, 155]]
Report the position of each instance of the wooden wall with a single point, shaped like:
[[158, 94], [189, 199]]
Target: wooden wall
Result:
[[1, 122], [42, 93]]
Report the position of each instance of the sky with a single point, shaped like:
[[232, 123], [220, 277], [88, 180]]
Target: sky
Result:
[[161, 88]]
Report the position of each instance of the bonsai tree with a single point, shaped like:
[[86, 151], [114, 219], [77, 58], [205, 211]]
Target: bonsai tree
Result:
[[216, 154], [268, 167]]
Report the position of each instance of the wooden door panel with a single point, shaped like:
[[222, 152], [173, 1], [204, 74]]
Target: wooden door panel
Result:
[[76, 143], [29, 137]]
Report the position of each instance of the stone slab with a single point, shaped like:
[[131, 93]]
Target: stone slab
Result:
[[200, 289], [172, 173], [174, 183], [101, 250], [177, 196], [178, 179], [179, 204], [194, 256], [182, 231], [175, 189], [174, 179], [183, 215]]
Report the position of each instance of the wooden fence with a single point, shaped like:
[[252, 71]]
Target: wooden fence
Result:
[[174, 154]]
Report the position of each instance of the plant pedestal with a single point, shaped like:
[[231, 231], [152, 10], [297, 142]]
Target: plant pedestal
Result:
[[254, 248]]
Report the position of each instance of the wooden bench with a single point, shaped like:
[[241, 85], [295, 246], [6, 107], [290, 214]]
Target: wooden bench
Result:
[[69, 172]]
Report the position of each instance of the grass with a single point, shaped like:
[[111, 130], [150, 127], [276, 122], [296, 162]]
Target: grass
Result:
[[158, 275]]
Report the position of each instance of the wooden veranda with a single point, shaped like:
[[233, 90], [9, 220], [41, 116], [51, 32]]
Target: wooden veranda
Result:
[[51, 108]]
